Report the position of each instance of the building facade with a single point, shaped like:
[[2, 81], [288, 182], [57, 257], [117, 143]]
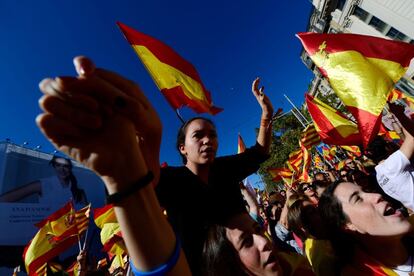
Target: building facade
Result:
[[391, 19]]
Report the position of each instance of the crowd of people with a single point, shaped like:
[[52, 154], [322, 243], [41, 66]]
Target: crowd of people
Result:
[[355, 220]]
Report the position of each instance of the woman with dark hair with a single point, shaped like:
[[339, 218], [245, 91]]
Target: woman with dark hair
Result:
[[213, 183], [55, 190], [241, 248], [304, 220], [368, 235]]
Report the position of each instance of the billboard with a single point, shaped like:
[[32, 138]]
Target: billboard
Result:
[[34, 184]]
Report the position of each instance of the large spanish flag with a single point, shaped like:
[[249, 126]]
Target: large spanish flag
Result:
[[333, 127], [176, 78], [362, 71], [48, 242]]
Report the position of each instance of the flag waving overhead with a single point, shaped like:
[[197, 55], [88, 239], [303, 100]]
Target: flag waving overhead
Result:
[[177, 79], [362, 71], [279, 173], [57, 233], [309, 137], [398, 95], [333, 127]]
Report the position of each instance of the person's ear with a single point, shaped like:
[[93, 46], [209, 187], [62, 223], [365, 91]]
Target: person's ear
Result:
[[182, 150], [350, 227]]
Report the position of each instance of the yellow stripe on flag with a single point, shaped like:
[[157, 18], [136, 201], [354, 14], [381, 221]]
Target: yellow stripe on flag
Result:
[[167, 77]]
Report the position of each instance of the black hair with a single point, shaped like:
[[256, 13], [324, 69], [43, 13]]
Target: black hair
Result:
[[219, 255], [332, 214], [320, 184], [183, 131], [379, 149], [79, 195]]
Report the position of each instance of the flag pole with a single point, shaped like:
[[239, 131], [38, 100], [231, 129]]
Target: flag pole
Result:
[[79, 243], [179, 116], [299, 119], [294, 106], [86, 238]]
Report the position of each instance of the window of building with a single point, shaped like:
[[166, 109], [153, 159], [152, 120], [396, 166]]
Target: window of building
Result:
[[341, 4], [360, 13], [377, 23], [397, 35]]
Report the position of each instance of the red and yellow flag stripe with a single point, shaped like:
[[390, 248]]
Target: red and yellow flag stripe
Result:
[[362, 71], [177, 79], [333, 127]]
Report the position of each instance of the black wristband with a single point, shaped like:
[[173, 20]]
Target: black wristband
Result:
[[141, 183]]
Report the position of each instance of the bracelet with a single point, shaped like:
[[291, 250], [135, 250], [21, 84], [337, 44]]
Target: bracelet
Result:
[[164, 268], [141, 183]]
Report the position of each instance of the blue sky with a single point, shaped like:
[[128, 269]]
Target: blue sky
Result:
[[229, 42]]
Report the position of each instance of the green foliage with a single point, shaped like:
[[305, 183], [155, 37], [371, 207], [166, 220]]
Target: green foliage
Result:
[[286, 133]]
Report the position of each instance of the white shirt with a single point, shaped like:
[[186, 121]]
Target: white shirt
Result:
[[396, 177], [54, 193]]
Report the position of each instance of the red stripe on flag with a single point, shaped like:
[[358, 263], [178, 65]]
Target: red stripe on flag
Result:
[[176, 97], [372, 47], [163, 52], [56, 215], [62, 246]]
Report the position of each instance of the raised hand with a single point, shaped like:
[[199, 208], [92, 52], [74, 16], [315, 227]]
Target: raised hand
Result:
[[262, 99]]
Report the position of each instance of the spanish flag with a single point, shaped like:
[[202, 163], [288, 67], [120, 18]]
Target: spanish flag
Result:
[[63, 222], [104, 215], [362, 70], [333, 127], [398, 95], [111, 238], [353, 150], [176, 78], [48, 241], [241, 147]]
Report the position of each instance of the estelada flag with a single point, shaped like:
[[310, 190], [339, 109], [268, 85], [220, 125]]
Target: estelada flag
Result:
[[362, 70], [333, 127], [241, 147], [177, 79]]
